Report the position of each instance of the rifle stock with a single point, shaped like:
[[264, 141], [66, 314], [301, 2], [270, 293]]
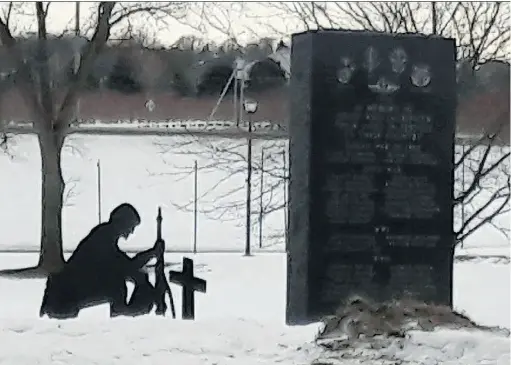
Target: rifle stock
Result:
[[161, 285]]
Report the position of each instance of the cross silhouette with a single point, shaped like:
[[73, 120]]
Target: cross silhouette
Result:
[[190, 285]]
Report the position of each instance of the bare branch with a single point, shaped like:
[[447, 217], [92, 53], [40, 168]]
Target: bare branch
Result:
[[482, 32], [71, 191], [7, 14], [159, 11], [98, 41], [10, 43], [43, 73], [5, 34], [481, 172], [481, 29], [482, 189], [223, 198], [464, 231]]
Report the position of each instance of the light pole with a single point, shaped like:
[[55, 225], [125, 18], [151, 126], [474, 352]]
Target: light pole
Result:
[[239, 89], [250, 107]]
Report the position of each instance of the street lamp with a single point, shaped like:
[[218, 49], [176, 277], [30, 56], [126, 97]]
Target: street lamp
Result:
[[239, 85], [250, 107], [150, 105]]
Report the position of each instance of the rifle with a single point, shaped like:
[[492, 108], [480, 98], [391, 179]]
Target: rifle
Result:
[[161, 285]]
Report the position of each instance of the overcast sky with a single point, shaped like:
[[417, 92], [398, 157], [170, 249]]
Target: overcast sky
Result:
[[250, 21], [243, 18]]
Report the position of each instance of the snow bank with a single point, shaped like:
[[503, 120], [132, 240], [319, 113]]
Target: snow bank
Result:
[[442, 347], [410, 332], [361, 318]]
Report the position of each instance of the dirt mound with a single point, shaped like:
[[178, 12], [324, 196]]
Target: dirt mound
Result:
[[360, 319]]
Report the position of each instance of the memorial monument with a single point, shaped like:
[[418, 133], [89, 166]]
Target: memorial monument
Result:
[[371, 164]]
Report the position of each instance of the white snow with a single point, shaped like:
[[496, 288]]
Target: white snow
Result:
[[134, 169], [240, 320], [152, 341]]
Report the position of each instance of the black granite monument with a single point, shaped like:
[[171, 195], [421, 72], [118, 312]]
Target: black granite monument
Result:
[[371, 159]]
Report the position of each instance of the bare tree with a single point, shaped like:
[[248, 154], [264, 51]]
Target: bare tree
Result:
[[482, 190], [480, 28], [6, 13], [482, 32], [215, 19], [70, 191], [223, 197], [53, 104]]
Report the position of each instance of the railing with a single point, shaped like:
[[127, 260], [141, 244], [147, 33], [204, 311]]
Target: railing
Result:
[[226, 129], [264, 130]]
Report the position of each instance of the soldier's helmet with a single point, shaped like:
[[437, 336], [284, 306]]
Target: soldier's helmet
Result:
[[125, 216]]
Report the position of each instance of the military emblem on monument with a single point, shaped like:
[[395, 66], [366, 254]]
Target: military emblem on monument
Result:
[[398, 60], [420, 75], [383, 84], [371, 59], [345, 72]]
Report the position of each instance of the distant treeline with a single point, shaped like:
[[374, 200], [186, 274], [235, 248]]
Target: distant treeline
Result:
[[189, 67]]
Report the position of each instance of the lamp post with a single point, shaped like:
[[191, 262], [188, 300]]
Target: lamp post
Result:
[[250, 107], [239, 88]]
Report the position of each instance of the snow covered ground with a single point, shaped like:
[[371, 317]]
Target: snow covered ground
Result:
[[134, 169], [240, 320]]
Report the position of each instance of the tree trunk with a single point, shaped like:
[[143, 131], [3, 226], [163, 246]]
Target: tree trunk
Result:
[[51, 256]]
